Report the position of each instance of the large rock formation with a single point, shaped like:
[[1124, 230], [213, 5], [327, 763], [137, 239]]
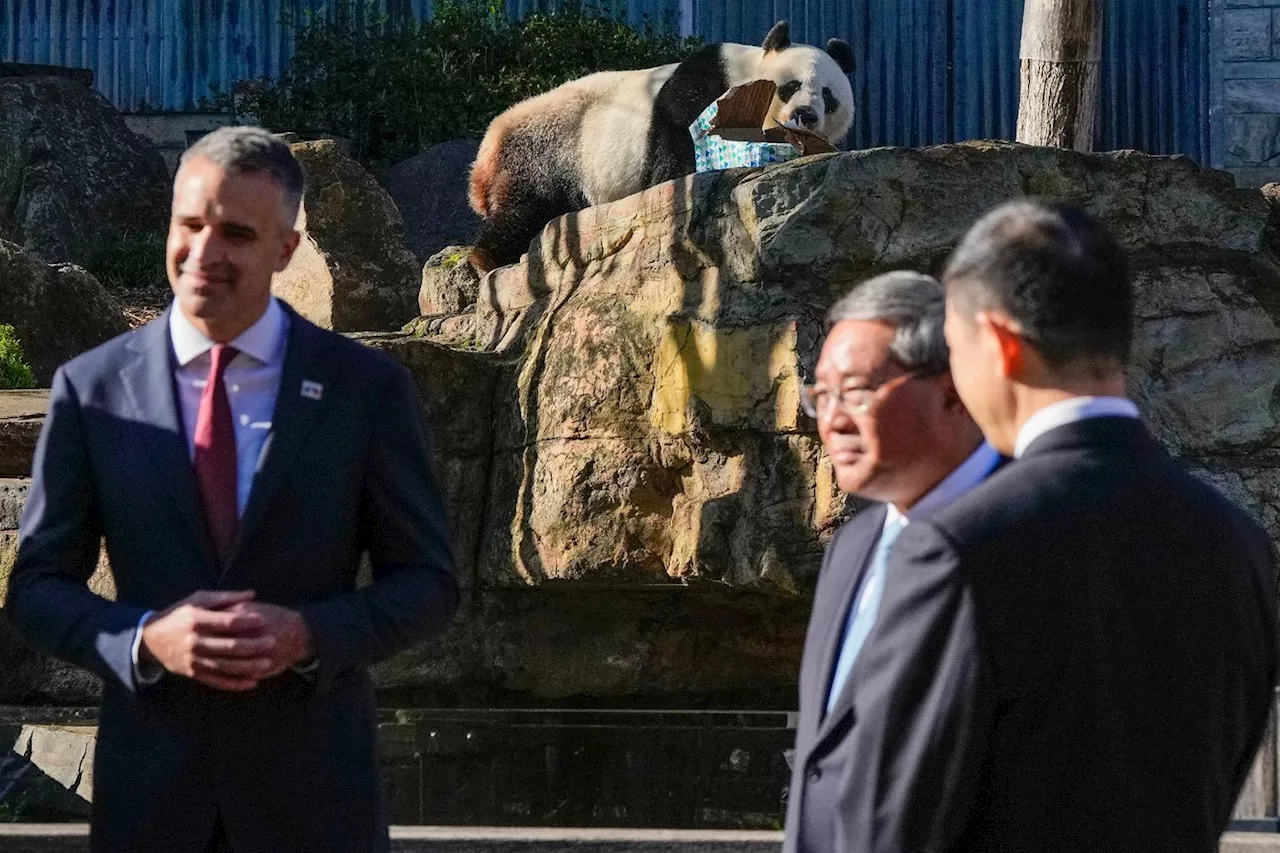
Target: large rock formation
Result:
[[73, 177], [352, 271], [638, 504], [450, 285], [58, 311], [656, 504], [430, 191]]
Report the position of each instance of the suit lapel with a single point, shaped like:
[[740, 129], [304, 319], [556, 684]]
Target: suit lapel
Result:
[[852, 561], [149, 382], [844, 702], [296, 411]]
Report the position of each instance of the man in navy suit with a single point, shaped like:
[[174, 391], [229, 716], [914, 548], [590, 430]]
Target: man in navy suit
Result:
[[238, 462], [896, 433], [1080, 653]]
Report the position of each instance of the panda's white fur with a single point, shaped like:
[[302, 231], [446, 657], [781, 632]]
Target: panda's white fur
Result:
[[597, 139], [624, 104]]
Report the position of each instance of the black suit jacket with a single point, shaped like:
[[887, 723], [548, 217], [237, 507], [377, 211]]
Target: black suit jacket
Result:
[[1077, 655], [291, 765]]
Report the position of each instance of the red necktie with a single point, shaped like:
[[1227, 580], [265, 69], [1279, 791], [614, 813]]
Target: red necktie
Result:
[[216, 454]]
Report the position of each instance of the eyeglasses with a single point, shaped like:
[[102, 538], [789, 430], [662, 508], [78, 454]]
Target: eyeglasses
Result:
[[818, 401]]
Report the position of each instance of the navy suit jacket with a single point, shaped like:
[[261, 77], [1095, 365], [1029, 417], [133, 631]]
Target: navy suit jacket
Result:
[[292, 764], [1079, 654]]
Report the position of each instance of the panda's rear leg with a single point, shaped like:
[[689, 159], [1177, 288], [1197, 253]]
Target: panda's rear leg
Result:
[[506, 234]]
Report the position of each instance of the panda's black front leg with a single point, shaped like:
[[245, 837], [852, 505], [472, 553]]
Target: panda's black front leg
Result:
[[670, 153]]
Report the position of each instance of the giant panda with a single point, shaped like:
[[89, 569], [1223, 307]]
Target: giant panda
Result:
[[614, 133]]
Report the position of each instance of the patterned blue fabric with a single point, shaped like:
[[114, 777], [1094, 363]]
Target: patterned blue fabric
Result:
[[712, 153]]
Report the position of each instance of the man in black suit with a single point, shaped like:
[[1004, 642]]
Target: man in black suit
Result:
[[1080, 653], [896, 433], [238, 461]]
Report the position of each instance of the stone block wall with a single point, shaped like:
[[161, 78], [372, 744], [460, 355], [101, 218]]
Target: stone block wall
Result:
[[1245, 73]]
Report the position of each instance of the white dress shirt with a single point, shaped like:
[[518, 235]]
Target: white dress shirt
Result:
[[1069, 411], [252, 380]]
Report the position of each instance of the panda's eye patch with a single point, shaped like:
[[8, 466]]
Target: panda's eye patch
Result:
[[829, 101], [788, 90]]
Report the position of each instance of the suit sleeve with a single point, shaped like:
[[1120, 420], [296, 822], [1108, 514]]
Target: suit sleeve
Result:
[[49, 600], [402, 523], [924, 704]]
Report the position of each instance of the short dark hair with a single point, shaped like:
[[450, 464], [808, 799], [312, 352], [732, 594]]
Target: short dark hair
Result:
[[253, 149], [1055, 270]]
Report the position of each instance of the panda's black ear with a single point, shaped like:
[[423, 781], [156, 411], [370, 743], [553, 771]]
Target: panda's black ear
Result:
[[779, 37], [839, 50]]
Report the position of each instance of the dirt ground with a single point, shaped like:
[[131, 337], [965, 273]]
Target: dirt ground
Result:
[[143, 304]]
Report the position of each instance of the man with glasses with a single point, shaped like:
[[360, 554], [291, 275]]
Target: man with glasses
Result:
[[898, 434], [1080, 653]]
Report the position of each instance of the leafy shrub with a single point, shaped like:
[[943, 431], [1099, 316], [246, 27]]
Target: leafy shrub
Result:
[[397, 87], [133, 263], [14, 370]]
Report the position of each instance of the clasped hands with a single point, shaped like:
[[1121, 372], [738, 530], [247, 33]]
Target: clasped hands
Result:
[[226, 640]]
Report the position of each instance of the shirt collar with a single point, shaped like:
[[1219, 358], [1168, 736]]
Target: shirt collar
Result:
[[970, 473], [1069, 411], [263, 341]]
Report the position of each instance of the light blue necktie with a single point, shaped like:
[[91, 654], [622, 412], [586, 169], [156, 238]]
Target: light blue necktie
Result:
[[862, 615]]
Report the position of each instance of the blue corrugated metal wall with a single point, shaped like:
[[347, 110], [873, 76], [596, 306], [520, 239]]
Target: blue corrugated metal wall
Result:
[[928, 70], [934, 71], [165, 54]]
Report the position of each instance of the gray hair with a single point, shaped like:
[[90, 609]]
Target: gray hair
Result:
[[914, 304], [252, 149]]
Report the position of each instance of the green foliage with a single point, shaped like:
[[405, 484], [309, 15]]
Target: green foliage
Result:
[[133, 263], [397, 87], [14, 370]]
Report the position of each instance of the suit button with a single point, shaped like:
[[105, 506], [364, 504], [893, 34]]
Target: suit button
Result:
[[815, 774]]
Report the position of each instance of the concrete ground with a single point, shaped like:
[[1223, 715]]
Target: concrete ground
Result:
[[73, 838]]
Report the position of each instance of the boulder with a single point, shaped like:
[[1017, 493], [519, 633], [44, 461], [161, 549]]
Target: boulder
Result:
[[653, 483], [83, 76], [457, 388], [13, 497], [454, 330], [58, 311], [21, 416], [353, 270], [430, 190], [73, 177], [637, 502], [449, 283]]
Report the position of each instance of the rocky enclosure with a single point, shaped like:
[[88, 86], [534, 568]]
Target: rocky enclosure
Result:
[[58, 311], [353, 270], [639, 506], [73, 178]]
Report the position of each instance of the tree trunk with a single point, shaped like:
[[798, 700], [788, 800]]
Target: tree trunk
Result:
[[1061, 46]]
